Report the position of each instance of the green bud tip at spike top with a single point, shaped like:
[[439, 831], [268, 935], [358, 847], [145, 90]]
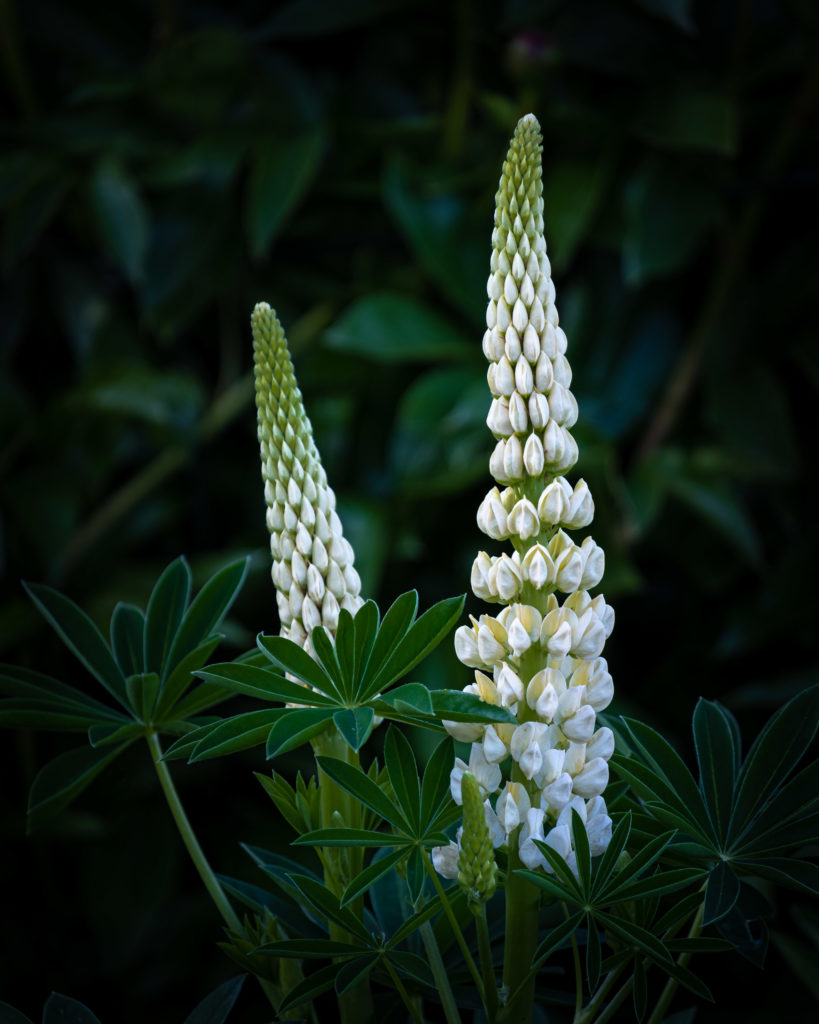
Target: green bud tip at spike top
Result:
[[538, 657], [477, 870], [313, 569]]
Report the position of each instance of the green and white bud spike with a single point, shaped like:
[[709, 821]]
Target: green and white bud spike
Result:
[[477, 870], [313, 569]]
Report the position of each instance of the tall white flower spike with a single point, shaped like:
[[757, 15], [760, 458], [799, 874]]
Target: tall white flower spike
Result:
[[540, 657]]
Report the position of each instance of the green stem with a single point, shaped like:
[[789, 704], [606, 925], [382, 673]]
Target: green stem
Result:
[[578, 974], [671, 985], [342, 864], [587, 1014], [439, 973], [456, 928], [522, 913], [490, 985], [189, 838], [407, 1000], [616, 1002]]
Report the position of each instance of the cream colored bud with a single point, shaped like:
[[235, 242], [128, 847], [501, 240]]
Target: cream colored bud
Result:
[[494, 748], [445, 860], [524, 378], [595, 564], [527, 292], [498, 418], [323, 531], [538, 410], [562, 342], [335, 580], [506, 578], [504, 377], [329, 611], [290, 519], [531, 345], [601, 744], [569, 565], [298, 569], [310, 616], [560, 405], [588, 636], [512, 347], [315, 584], [562, 371], [519, 639], [537, 567], [518, 267], [504, 317], [556, 794], [352, 579], [509, 688], [523, 520], [285, 611], [510, 290], [548, 341], [492, 639], [466, 646], [520, 317], [533, 460], [513, 459], [580, 511], [496, 462], [479, 579], [544, 373], [531, 830], [542, 692], [513, 806], [580, 726], [593, 779], [492, 313], [518, 419], [492, 517], [492, 344]]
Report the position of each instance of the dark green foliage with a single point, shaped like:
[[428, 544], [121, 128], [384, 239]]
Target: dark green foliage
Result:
[[343, 689], [146, 668], [744, 818]]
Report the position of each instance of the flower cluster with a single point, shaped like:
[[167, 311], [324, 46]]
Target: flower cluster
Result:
[[538, 657], [313, 568]]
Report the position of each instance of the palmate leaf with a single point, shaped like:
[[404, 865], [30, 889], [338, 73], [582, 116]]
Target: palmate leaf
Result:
[[82, 638], [164, 614], [65, 777], [717, 759], [215, 1007], [772, 757]]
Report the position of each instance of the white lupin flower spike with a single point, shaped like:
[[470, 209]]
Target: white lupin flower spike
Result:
[[538, 657]]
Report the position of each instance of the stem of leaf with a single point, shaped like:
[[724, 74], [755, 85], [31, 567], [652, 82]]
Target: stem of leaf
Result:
[[215, 890], [586, 1015], [490, 985], [682, 960], [456, 928], [439, 972], [578, 973], [614, 1005], [342, 864], [399, 988], [198, 857]]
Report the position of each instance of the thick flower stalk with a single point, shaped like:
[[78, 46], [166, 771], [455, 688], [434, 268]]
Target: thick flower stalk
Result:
[[540, 656], [313, 569]]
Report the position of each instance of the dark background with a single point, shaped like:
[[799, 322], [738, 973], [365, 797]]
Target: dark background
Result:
[[166, 165]]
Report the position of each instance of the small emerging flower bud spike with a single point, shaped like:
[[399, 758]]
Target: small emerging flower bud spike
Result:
[[310, 554], [477, 870]]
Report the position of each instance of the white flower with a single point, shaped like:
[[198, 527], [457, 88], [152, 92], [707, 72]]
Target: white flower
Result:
[[445, 860]]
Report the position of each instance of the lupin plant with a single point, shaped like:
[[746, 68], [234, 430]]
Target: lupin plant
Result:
[[448, 919]]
